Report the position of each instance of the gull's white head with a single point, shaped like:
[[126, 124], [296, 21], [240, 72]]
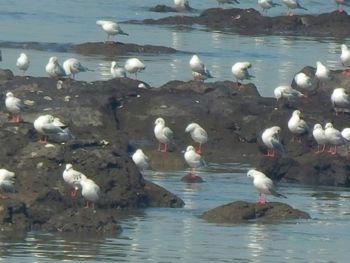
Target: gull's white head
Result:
[[297, 113], [9, 94], [328, 125], [190, 148], [318, 126], [68, 166], [251, 173], [113, 64], [53, 60], [159, 121], [344, 48], [190, 127]]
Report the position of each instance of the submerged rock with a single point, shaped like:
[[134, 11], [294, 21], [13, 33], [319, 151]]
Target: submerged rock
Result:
[[243, 212]]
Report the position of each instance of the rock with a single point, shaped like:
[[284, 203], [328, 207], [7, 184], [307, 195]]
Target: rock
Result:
[[5, 75], [243, 212], [165, 9], [190, 178], [250, 21]]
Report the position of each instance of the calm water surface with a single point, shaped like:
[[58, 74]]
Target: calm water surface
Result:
[[178, 235]]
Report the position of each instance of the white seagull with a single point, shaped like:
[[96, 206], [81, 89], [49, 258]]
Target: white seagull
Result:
[[163, 134], [117, 72], [288, 93], [181, 4], [134, 65], [90, 191], [222, 2], [292, 4], [73, 66], [6, 182], [341, 3], [48, 126], [23, 62], [240, 71], [320, 137], [54, 69], [14, 106], [140, 159], [270, 138], [199, 71], [340, 100], [198, 134], [263, 185], [303, 81], [267, 4], [193, 159], [346, 135], [73, 178], [111, 28], [334, 138], [345, 59], [322, 72], [297, 126]]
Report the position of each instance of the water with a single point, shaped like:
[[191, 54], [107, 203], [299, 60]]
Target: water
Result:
[[275, 59], [179, 235]]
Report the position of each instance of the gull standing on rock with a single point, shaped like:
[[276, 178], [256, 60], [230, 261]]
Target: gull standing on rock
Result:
[[345, 59], [134, 65], [288, 93], [340, 100], [303, 81], [193, 159], [263, 185], [14, 106], [341, 3], [198, 134], [54, 69], [111, 28], [270, 138], [22, 62], [73, 178], [322, 73], [117, 72], [48, 126], [199, 71], [267, 4], [140, 159], [292, 4], [6, 183], [320, 137], [73, 66], [163, 134], [297, 126], [240, 71], [334, 138], [222, 2], [90, 191]]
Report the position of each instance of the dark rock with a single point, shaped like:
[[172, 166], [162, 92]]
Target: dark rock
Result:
[[192, 178], [166, 9], [249, 21], [243, 212], [5, 75]]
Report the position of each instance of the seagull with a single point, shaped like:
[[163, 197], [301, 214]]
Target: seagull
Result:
[[6, 182], [198, 134], [287, 92], [267, 4], [54, 69], [334, 138], [73, 66], [340, 100], [14, 106], [345, 59], [222, 2], [73, 178], [263, 185], [48, 126], [199, 71], [320, 137], [346, 135], [341, 3], [134, 65], [23, 62], [270, 138], [163, 134], [181, 4], [292, 4], [117, 72], [322, 72], [90, 191], [297, 126], [140, 159], [303, 81], [111, 28], [193, 159], [240, 71]]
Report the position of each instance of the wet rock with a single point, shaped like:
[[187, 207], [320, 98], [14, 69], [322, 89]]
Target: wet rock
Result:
[[250, 21], [192, 178], [14, 215], [5, 75], [166, 9], [243, 212]]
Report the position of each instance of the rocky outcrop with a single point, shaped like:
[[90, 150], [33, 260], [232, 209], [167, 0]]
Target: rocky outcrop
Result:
[[166, 9], [250, 21], [243, 212]]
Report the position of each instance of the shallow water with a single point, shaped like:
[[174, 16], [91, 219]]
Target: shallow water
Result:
[[275, 59], [178, 235]]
